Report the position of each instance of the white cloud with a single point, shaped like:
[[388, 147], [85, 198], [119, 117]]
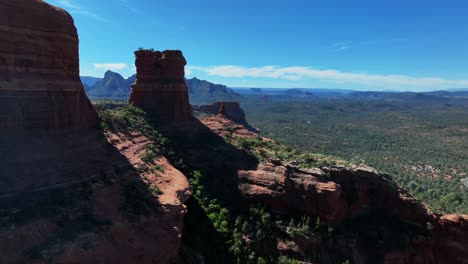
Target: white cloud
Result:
[[336, 76], [110, 66], [188, 71]]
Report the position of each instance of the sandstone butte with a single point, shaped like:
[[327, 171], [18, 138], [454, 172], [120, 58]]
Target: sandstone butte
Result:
[[66, 192], [160, 87]]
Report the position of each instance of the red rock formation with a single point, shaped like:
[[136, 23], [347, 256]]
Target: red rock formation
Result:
[[350, 196], [40, 89], [284, 189], [68, 195], [451, 232], [160, 88], [230, 110], [97, 228]]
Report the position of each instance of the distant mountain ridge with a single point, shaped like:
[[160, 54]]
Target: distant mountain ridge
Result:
[[89, 81], [112, 86], [204, 92]]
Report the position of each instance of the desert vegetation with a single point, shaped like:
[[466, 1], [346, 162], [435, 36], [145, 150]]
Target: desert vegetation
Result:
[[423, 146]]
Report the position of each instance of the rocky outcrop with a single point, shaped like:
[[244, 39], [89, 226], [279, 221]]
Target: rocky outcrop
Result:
[[372, 219], [339, 195], [40, 88], [334, 193], [160, 87], [451, 232], [229, 110], [113, 218]]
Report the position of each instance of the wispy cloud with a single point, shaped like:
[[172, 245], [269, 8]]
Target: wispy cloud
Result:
[[330, 75], [340, 46], [74, 8], [125, 4], [346, 45], [110, 66]]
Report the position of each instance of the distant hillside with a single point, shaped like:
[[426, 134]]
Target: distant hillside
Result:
[[112, 86], [204, 92], [89, 81]]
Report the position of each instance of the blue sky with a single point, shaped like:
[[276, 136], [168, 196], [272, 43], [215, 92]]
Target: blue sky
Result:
[[360, 44]]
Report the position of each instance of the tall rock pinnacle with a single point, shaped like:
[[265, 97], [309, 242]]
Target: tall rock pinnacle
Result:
[[160, 87]]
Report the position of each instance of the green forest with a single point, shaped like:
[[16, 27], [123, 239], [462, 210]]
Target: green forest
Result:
[[423, 146]]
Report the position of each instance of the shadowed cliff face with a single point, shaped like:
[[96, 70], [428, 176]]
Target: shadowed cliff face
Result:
[[68, 193], [160, 87], [40, 89]]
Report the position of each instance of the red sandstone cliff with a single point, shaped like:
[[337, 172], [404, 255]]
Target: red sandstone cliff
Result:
[[40, 89], [68, 194], [160, 87]]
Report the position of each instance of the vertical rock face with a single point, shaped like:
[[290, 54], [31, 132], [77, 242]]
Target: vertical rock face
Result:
[[40, 89], [160, 88]]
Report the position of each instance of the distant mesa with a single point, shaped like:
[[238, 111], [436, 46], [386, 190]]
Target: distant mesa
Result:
[[160, 87], [40, 88]]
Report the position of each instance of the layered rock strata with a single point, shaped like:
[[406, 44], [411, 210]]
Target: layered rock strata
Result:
[[160, 87], [68, 194], [40, 88]]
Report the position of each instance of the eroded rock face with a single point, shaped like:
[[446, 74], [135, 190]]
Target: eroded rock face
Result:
[[160, 87], [113, 218], [285, 189], [452, 239], [336, 194], [69, 194], [229, 110], [40, 89]]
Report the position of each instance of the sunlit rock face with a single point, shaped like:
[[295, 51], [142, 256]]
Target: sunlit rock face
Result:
[[40, 88], [160, 87]]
